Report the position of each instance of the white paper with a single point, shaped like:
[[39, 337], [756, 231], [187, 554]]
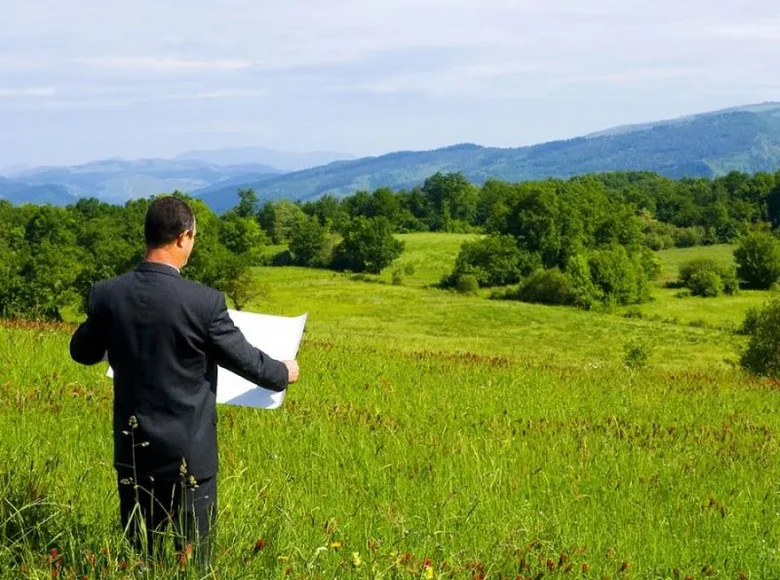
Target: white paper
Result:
[[277, 336]]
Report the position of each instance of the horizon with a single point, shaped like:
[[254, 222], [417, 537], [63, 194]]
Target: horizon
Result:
[[154, 80]]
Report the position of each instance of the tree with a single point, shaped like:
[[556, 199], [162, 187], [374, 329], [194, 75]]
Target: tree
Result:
[[247, 204], [453, 199], [279, 219], [758, 259], [618, 277], [241, 235], [368, 246], [308, 243], [762, 355], [239, 285], [493, 261]]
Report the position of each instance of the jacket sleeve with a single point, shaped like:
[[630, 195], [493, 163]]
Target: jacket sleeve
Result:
[[88, 343], [233, 352]]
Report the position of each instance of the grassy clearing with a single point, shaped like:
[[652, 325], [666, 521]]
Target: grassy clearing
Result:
[[489, 439], [724, 312]]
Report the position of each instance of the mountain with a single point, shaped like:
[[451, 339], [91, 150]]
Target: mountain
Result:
[[742, 139], [117, 180], [19, 193], [283, 160]]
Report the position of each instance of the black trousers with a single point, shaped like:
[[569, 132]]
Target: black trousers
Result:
[[148, 506]]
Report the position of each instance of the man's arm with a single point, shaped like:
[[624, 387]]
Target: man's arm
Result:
[[88, 343], [233, 352]]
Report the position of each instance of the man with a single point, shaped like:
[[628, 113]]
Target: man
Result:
[[164, 337]]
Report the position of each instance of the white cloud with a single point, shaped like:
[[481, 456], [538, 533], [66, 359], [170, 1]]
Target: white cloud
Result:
[[97, 99], [761, 30], [25, 92], [161, 64]]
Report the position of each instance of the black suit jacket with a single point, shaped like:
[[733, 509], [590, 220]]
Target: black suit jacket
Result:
[[165, 336]]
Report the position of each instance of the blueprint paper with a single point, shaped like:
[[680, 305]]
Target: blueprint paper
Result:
[[277, 336]]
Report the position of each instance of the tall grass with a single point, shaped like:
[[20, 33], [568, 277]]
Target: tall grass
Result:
[[431, 435]]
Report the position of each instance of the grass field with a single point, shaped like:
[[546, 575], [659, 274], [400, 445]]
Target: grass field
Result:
[[433, 435]]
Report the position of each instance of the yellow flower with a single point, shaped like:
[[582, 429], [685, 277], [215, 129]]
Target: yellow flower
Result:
[[355, 559], [335, 545], [429, 573]]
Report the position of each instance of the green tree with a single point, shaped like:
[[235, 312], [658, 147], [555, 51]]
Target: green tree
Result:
[[758, 259], [247, 203], [242, 235], [494, 261], [368, 246], [308, 243], [762, 355], [279, 219], [453, 201]]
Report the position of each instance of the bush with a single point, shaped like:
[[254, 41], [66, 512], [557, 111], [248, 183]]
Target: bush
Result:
[[707, 277], [368, 246], [467, 284], [547, 287], [762, 356], [758, 260], [493, 261], [750, 321], [637, 354], [688, 237], [705, 283], [618, 278]]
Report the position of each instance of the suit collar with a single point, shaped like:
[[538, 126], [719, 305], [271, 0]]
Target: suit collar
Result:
[[158, 268]]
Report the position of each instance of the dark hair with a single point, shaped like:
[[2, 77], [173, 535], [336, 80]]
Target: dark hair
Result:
[[166, 218]]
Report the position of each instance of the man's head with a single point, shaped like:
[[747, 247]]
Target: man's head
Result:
[[170, 229]]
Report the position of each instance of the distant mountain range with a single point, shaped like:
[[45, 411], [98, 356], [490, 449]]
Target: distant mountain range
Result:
[[710, 144], [116, 180], [282, 160], [744, 139]]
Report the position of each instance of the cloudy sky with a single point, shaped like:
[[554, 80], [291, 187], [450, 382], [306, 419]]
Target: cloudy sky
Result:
[[88, 79]]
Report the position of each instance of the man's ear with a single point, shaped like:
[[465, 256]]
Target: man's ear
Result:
[[181, 238]]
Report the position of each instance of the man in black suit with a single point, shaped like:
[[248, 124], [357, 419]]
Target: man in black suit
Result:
[[164, 337]]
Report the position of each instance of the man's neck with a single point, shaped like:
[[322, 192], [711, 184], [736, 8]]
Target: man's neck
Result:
[[161, 256]]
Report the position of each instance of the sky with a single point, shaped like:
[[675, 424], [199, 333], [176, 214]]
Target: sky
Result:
[[93, 79]]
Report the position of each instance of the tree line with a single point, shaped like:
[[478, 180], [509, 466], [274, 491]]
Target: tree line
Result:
[[583, 241]]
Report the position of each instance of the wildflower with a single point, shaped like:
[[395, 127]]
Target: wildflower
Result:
[[335, 545], [355, 559], [259, 545], [428, 567]]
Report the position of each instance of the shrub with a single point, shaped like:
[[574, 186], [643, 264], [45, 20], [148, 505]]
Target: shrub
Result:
[[493, 261], [637, 354], [398, 276], [708, 277], [467, 284], [758, 260], [750, 321], [705, 283], [618, 279], [688, 237], [762, 356], [547, 287]]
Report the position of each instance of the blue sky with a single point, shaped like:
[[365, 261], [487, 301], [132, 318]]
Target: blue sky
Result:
[[151, 78]]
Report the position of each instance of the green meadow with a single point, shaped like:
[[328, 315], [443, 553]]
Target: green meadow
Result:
[[432, 435]]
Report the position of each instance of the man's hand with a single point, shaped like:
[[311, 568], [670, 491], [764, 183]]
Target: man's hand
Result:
[[292, 370]]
